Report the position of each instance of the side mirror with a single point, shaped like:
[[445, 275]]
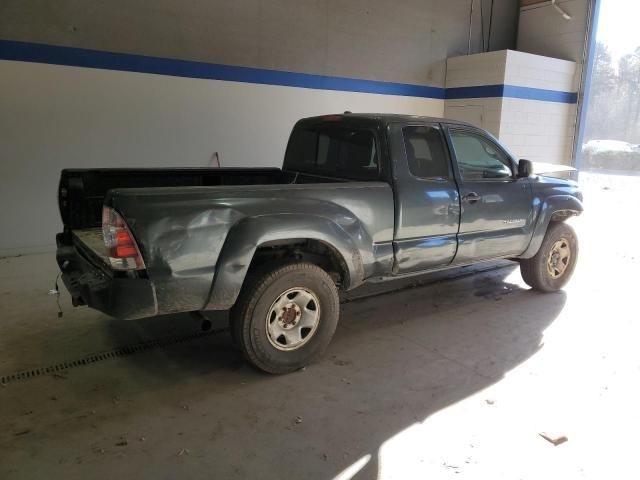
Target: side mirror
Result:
[[525, 168]]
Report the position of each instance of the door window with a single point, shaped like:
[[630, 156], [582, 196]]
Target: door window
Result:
[[479, 158], [425, 152]]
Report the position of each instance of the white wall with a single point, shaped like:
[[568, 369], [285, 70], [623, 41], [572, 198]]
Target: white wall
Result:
[[539, 130], [476, 70], [482, 112], [538, 71], [54, 117], [405, 41], [479, 69], [534, 129]]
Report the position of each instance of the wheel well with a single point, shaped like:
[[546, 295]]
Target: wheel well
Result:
[[562, 215], [309, 250]]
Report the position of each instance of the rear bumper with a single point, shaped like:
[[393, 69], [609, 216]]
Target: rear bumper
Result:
[[99, 288]]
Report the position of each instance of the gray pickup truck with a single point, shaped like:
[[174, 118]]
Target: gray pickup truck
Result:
[[360, 198]]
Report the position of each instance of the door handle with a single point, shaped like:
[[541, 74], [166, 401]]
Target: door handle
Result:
[[471, 197]]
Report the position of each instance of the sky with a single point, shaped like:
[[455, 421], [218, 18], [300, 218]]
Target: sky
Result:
[[618, 26]]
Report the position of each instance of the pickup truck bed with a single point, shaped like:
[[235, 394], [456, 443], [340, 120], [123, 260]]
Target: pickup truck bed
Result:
[[188, 227], [81, 192]]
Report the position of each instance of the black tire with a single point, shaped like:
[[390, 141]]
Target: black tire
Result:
[[534, 270], [249, 316]]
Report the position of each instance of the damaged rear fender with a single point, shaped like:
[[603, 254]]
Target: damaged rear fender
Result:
[[250, 233]]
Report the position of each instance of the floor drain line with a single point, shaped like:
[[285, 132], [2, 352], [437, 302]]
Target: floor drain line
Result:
[[108, 355]]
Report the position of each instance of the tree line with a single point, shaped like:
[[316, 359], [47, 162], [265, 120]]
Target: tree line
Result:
[[614, 102]]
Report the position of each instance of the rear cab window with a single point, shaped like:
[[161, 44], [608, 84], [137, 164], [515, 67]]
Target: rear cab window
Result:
[[334, 150]]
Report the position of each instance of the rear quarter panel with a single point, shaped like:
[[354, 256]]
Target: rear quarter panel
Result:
[[198, 242]]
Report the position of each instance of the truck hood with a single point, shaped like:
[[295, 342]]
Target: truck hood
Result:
[[540, 168], [547, 185]]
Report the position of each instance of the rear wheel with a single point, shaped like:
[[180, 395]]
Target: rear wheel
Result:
[[285, 318], [551, 268]]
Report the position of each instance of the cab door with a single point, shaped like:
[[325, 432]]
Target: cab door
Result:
[[496, 217], [427, 204]]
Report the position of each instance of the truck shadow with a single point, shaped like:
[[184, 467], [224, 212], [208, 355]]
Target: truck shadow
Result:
[[395, 360], [435, 293]]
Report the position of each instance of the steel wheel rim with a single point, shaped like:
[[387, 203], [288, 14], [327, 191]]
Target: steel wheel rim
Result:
[[293, 318], [559, 258]]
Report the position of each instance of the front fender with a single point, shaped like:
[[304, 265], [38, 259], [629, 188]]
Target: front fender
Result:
[[555, 204], [246, 236]]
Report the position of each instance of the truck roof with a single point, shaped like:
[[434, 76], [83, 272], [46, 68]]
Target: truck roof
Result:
[[384, 118]]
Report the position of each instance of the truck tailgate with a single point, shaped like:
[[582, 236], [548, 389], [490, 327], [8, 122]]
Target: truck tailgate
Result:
[[91, 241], [90, 280]]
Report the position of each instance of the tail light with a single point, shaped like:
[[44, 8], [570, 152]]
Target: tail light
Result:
[[122, 250]]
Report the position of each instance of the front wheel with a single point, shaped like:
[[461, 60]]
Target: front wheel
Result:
[[551, 268], [285, 318]]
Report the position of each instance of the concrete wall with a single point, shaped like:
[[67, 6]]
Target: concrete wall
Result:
[[476, 70], [528, 124], [54, 116], [541, 131], [392, 40], [542, 30]]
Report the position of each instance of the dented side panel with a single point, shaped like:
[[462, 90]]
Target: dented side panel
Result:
[[198, 242]]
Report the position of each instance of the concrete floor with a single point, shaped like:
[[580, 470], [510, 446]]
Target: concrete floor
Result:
[[455, 377]]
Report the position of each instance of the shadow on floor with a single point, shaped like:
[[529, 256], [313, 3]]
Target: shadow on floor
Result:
[[395, 360]]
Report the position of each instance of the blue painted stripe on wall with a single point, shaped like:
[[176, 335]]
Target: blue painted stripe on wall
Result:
[[542, 94], [511, 91], [79, 57], [483, 91]]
